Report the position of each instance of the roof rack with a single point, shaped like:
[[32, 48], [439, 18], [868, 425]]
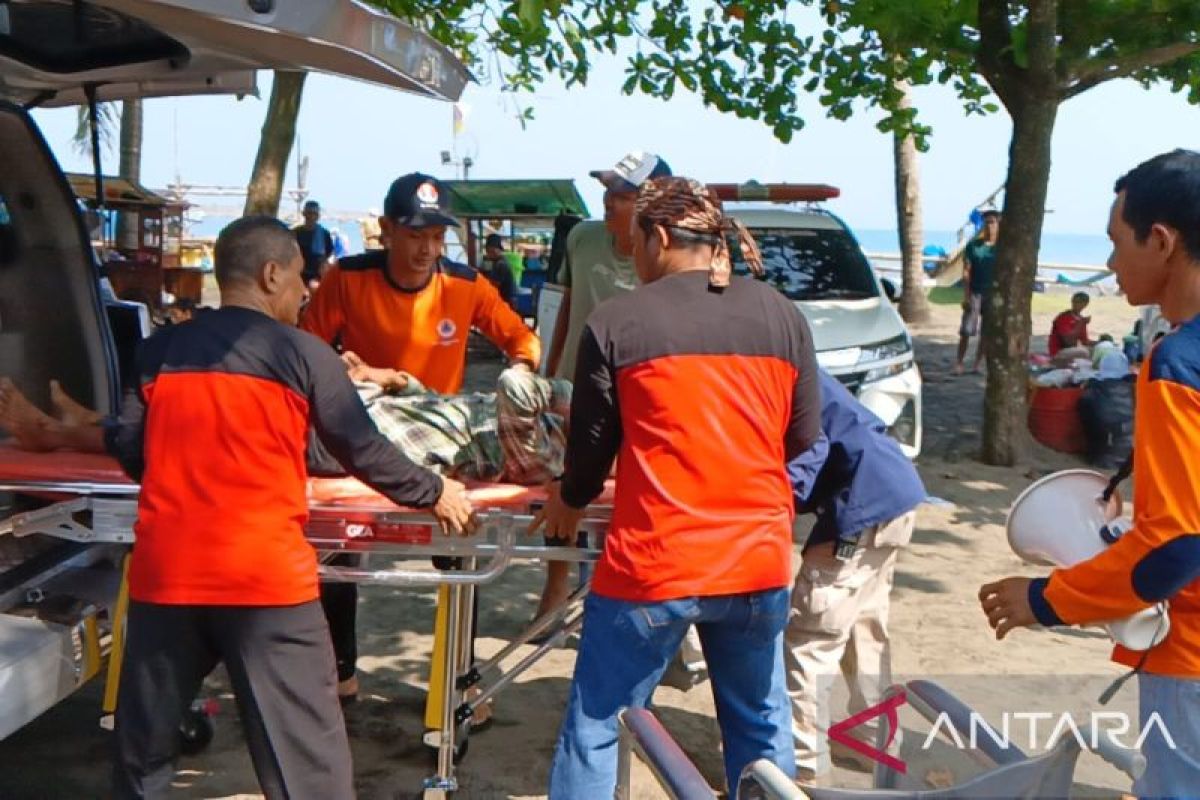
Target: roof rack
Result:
[[774, 192]]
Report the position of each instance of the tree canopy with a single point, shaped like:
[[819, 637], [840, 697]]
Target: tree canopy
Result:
[[772, 60]]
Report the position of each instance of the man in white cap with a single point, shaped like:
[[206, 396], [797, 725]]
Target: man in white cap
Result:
[[598, 265], [599, 262]]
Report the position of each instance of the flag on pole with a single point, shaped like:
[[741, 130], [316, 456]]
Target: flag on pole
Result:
[[461, 112]]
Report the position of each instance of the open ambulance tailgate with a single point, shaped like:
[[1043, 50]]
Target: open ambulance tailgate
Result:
[[51, 49]]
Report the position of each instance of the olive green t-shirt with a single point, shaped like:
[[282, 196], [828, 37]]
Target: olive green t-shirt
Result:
[[594, 273]]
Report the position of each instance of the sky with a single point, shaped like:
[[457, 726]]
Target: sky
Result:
[[358, 137]]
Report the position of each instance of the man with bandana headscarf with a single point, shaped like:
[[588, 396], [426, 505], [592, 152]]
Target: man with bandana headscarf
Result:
[[706, 384]]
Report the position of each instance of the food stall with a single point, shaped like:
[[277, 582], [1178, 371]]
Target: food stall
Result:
[[523, 211], [146, 261]]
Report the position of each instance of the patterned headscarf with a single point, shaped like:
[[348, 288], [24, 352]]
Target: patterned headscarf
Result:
[[688, 205]]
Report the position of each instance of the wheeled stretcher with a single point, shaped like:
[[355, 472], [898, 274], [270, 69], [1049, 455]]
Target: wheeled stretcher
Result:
[[87, 502]]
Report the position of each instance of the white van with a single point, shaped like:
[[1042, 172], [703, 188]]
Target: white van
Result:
[[811, 256]]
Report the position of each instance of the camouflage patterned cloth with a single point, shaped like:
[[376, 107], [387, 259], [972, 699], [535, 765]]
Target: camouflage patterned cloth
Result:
[[516, 435]]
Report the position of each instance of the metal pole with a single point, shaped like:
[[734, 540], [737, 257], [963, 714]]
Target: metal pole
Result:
[[540, 625], [624, 760], [445, 769], [465, 644], [559, 636]]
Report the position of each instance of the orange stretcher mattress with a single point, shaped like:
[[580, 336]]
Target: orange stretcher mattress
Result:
[[65, 467]]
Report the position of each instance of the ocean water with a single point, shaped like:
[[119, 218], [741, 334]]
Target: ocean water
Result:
[[1059, 248]]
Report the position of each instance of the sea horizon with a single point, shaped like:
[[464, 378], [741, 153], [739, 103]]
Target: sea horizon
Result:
[[1078, 249]]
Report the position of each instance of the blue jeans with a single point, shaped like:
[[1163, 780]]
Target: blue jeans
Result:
[[1171, 772], [623, 651]]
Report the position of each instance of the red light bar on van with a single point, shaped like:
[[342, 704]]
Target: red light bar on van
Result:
[[774, 192]]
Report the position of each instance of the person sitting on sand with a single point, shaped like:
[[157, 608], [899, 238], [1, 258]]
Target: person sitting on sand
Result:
[[1069, 330]]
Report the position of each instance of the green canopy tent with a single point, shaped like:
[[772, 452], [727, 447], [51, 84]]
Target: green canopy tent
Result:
[[529, 204], [514, 199]]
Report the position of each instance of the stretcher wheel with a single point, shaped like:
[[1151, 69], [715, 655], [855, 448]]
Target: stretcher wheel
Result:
[[196, 731]]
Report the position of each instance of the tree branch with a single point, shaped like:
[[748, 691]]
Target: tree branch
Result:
[[995, 56], [1093, 74]]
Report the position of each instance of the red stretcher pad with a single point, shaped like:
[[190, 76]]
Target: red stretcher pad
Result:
[[66, 467], [58, 467]]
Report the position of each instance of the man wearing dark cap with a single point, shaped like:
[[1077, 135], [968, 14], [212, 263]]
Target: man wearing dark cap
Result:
[[495, 267], [316, 244], [408, 308], [598, 265]]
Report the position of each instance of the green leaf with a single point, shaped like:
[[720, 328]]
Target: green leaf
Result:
[[530, 13]]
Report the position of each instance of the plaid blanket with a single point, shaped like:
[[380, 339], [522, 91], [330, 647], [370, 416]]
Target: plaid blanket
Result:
[[515, 435]]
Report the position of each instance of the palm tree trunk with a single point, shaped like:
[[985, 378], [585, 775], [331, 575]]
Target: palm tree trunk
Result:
[[914, 305], [130, 167], [275, 146]]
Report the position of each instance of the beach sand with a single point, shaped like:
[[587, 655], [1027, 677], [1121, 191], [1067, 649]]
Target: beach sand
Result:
[[937, 628]]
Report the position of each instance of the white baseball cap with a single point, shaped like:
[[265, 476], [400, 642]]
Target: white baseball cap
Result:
[[632, 171]]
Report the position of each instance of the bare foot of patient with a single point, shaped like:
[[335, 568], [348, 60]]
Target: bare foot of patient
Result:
[[69, 410], [32, 428], [15, 408]]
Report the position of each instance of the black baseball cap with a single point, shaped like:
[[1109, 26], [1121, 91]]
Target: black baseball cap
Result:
[[417, 200]]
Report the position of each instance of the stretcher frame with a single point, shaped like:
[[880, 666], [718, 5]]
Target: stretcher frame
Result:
[[104, 513]]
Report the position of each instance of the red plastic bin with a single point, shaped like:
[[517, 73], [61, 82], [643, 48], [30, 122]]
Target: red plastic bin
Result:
[[1054, 419]]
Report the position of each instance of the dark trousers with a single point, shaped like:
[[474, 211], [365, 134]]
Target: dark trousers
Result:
[[340, 602], [281, 667]]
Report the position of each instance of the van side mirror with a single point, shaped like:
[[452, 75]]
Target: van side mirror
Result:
[[889, 288]]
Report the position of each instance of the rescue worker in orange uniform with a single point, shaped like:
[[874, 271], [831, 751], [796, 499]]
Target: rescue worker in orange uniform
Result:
[[1155, 231], [215, 434], [407, 309]]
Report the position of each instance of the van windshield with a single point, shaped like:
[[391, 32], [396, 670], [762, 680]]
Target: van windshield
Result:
[[812, 264]]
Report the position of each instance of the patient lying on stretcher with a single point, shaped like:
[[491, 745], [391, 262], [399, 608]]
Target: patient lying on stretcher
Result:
[[514, 435]]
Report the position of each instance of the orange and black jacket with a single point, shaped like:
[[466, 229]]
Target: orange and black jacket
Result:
[[1159, 559], [706, 394], [216, 435], [420, 331]]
